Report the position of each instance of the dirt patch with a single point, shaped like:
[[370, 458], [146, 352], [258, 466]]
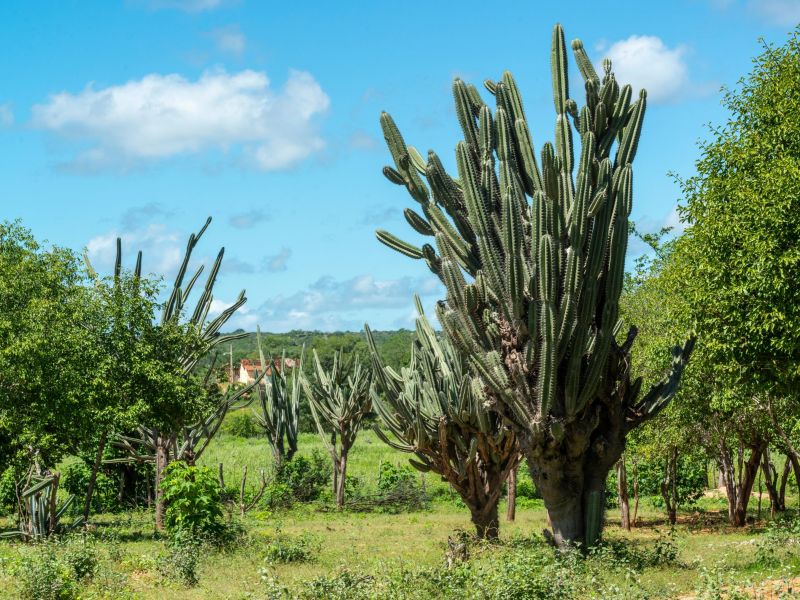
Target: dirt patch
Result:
[[771, 589]]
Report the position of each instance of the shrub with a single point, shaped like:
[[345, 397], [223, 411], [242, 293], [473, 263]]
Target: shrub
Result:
[[43, 577], [183, 558], [192, 496], [8, 491], [285, 548], [242, 424], [305, 476], [278, 495], [392, 477], [80, 556]]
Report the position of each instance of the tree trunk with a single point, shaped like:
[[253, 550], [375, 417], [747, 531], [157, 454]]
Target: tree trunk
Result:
[[486, 521], [511, 496], [635, 493], [771, 483], [341, 474], [98, 459], [738, 489], [669, 487], [787, 469], [622, 493], [161, 464]]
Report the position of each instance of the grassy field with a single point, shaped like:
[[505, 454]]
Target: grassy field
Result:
[[347, 555]]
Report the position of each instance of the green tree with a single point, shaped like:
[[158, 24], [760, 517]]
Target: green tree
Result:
[[738, 263]]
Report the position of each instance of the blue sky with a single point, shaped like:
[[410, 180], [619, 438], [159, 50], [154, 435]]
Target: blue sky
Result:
[[142, 117]]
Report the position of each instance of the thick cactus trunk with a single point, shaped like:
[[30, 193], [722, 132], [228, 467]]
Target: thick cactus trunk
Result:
[[486, 521]]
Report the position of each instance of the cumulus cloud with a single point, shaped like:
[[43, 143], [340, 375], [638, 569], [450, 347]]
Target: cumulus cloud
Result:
[[329, 304], [645, 61], [164, 116], [248, 220], [783, 13], [276, 263], [6, 115], [231, 264], [230, 39]]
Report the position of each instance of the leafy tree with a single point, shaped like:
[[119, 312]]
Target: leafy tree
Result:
[[737, 265]]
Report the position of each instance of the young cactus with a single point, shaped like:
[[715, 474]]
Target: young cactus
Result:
[[279, 404], [433, 410], [531, 250], [339, 400]]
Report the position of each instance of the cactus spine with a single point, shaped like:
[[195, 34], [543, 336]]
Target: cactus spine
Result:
[[532, 257], [433, 410]]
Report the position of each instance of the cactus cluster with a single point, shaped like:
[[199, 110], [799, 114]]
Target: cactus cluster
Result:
[[280, 406], [531, 250], [339, 399], [434, 410]]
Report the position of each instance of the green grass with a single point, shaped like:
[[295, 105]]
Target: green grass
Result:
[[133, 561]]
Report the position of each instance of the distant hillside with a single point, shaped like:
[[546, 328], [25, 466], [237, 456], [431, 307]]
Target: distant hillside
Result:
[[394, 346]]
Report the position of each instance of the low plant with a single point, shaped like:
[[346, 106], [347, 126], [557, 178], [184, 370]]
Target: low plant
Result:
[[183, 557], [80, 555], [42, 576], [242, 424], [193, 498], [284, 548], [305, 476]]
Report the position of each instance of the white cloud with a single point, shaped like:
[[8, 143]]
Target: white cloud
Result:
[[645, 61], [276, 263], [230, 39], [783, 13], [163, 116], [162, 250], [6, 115], [330, 305]]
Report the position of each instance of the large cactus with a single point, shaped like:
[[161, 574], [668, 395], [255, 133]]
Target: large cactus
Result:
[[433, 408], [280, 406], [339, 400], [531, 252]]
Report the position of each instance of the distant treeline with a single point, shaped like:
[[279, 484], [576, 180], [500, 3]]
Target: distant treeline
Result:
[[394, 346]]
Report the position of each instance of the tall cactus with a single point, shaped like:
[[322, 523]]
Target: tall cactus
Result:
[[433, 408], [339, 400], [279, 402], [532, 256]]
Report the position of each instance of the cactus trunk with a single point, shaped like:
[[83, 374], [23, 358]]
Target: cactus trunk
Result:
[[486, 521]]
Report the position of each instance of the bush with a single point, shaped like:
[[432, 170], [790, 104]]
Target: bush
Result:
[[242, 424], [193, 499], [305, 476], [285, 548], [43, 577], [8, 491], [392, 477], [183, 558], [75, 480], [80, 556]]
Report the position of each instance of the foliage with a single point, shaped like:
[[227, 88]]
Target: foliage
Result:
[[740, 250], [75, 480], [183, 558], [304, 477], [43, 576], [241, 423], [192, 495], [283, 548], [392, 477]]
